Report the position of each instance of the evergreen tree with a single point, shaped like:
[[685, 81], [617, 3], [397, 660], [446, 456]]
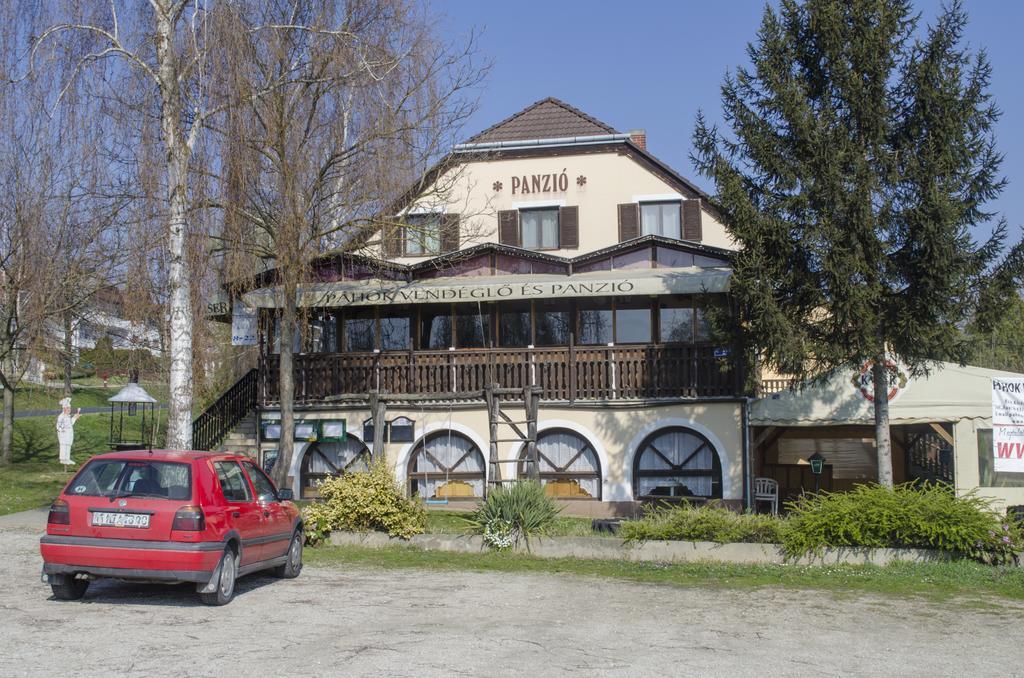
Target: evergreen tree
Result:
[[860, 160], [1001, 348]]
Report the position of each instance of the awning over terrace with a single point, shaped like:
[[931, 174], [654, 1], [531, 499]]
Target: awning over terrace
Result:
[[644, 282], [950, 393]]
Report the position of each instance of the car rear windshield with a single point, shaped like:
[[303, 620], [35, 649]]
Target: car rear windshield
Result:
[[131, 477]]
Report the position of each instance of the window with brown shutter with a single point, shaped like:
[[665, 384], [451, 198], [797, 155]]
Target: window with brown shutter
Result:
[[691, 220], [508, 227], [449, 233], [569, 227], [391, 240], [629, 221]]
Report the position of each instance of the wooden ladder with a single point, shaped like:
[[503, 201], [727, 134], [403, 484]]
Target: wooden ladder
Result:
[[497, 417]]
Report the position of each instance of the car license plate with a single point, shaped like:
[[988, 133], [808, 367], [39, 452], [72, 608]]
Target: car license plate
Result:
[[102, 519]]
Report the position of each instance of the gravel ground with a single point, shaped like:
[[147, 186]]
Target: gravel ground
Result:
[[403, 623]]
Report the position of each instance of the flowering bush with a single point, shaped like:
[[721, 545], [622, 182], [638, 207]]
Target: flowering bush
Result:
[[363, 501], [499, 534]]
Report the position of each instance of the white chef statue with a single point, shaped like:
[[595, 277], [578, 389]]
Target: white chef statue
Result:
[[66, 430]]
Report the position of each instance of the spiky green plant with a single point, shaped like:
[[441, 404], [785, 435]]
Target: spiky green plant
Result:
[[517, 512]]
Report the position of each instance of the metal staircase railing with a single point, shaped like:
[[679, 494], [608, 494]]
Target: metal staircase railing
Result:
[[210, 427]]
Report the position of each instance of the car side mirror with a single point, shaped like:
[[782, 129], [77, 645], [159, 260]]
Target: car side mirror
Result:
[[285, 495]]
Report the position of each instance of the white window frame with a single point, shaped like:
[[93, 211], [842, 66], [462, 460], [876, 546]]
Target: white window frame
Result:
[[661, 226], [540, 236]]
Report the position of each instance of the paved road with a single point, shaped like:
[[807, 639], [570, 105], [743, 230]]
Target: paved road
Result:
[[371, 622]]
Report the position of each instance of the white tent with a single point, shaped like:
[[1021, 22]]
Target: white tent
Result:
[[949, 393]]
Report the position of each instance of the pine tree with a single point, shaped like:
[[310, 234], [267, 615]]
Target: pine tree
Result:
[[860, 161]]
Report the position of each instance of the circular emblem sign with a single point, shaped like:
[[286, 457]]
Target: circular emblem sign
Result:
[[865, 381]]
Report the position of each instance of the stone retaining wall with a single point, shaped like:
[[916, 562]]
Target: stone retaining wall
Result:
[[651, 551]]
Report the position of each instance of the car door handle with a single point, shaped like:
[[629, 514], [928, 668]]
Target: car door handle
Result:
[[236, 514]]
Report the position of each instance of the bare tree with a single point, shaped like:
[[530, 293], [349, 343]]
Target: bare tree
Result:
[[57, 242], [360, 98], [162, 46]]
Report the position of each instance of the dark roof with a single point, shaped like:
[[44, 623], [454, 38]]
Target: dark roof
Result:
[[546, 119]]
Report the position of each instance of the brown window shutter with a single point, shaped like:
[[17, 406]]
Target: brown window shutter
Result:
[[391, 239], [691, 220], [629, 221], [449, 233], [569, 227], [508, 228]]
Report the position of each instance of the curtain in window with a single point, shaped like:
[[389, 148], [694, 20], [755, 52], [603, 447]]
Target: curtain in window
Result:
[[435, 328], [540, 229], [568, 452], [335, 458], [457, 463], [672, 449], [423, 234]]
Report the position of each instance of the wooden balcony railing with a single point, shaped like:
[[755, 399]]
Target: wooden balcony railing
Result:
[[571, 373]]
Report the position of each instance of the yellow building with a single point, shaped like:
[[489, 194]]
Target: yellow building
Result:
[[553, 259]]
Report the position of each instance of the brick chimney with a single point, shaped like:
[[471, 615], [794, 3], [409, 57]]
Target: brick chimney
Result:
[[639, 138]]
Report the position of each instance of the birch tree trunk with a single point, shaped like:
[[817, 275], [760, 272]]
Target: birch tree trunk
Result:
[[883, 440], [179, 416]]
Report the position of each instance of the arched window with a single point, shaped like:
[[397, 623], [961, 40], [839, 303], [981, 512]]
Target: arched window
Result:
[[446, 465], [677, 462], [569, 468], [325, 460]]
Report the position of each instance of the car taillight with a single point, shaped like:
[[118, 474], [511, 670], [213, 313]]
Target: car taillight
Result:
[[60, 513], [189, 518]]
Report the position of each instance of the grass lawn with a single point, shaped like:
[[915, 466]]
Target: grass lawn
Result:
[[36, 477], [30, 484], [938, 581], [91, 395], [455, 522]]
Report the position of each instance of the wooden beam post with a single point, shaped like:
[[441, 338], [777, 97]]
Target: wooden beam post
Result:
[[530, 403]]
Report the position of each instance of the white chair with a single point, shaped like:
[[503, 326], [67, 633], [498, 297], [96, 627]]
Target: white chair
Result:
[[767, 489]]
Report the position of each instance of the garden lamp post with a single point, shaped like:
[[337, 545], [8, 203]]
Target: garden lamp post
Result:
[[817, 463]]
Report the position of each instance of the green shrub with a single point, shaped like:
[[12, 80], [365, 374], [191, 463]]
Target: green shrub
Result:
[[711, 522], [926, 516], [364, 501], [513, 513]]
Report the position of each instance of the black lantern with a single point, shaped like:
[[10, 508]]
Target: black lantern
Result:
[[132, 418], [817, 463]]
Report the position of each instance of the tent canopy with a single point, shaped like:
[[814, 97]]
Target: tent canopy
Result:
[[949, 393]]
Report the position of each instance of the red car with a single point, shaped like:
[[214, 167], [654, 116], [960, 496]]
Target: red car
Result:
[[169, 516]]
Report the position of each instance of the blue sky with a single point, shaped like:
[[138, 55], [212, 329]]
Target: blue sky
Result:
[[652, 65]]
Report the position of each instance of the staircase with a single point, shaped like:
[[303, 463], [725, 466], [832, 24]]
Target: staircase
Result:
[[243, 438], [222, 418]]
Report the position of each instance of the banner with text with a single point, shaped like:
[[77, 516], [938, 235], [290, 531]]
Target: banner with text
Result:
[[1008, 425], [243, 325]]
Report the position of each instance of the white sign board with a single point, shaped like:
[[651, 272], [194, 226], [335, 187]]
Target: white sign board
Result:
[[1008, 425], [243, 325]]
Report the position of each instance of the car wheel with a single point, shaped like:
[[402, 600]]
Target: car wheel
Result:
[[225, 590], [293, 566], [67, 587]]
